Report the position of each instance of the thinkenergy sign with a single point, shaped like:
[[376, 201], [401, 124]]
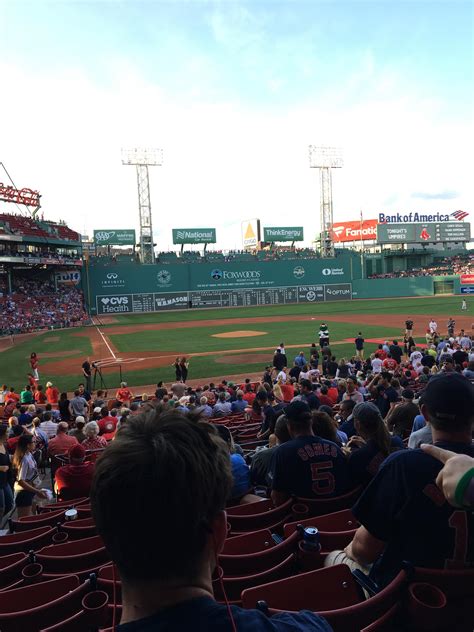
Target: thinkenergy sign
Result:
[[283, 233]]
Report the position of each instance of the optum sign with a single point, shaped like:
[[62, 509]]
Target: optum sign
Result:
[[283, 233]]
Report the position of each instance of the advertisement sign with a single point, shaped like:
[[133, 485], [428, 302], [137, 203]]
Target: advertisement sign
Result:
[[467, 279], [125, 237], [467, 289], [398, 218], [283, 233], [423, 233], [66, 277], [194, 235], [351, 231], [250, 233]]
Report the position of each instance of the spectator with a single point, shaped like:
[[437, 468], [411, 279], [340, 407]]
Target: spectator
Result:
[[93, 441], [279, 361], [124, 395], [108, 421], [12, 442], [300, 360], [78, 405], [347, 425], [26, 396], [40, 395], [385, 396], [11, 396], [48, 426], [306, 466], [456, 479], [359, 345], [27, 479], [63, 407], [308, 395], [205, 410], [187, 544], [62, 442], [239, 405], [3, 393], [52, 393], [401, 417], [25, 418], [423, 435], [324, 426], [222, 407], [40, 435], [352, 391], [6, 493], [74, 480], [403, 494], [371, 445], [260, 466]]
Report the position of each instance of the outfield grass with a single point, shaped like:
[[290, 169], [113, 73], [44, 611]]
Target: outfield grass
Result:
[[14, 364], [432, 305]]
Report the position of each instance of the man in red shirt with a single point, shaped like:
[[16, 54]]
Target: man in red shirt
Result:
[[74, 480], [62, 442], [52, 393], [11, 396], [380, 353], [389, 364], [249, 395], [108, 423], [124, 395]]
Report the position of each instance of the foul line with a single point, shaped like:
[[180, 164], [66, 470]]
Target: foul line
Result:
[[106, 343]]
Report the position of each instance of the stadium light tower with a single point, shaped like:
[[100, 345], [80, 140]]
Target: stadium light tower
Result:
[[325, 159], [142, 159]]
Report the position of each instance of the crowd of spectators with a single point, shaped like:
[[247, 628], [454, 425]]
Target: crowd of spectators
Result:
[[36, 304], [325, 427], [446, 267]]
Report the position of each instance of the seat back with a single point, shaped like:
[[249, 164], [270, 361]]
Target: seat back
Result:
[[51, 519], [26, 540], [324, 506], [258, 561], [261, 520]]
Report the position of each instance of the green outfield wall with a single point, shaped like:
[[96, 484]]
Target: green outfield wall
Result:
[[114, 288]]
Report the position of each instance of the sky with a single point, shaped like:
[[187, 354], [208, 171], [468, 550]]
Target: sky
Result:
[[234, 93]]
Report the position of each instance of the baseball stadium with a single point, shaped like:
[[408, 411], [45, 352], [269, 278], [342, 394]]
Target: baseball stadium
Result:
[[236, 367]]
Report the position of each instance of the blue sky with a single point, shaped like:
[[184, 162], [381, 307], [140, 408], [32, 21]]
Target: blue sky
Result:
[[234, 92]]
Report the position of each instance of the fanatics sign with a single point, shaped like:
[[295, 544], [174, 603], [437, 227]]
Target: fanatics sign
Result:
[[351, 231]]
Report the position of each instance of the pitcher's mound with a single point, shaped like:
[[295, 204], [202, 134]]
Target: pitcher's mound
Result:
[[239, 334]]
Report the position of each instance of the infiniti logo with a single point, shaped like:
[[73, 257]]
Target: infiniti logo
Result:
[[112, 275]]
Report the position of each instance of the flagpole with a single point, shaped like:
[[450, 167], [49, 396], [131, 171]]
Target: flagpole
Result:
[[361, 245]]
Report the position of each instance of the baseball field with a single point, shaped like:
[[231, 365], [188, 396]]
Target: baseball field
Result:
[[218, 343]]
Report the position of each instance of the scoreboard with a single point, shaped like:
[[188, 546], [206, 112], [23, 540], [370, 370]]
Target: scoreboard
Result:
[[429, 233]]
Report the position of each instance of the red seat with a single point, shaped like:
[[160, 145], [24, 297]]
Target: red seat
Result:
[[259, 506], [335, 530], [31, 609], [333, 593], [94, 613], [235, 585], [10, 568], [50, 518], [66, 504], [270, 519], [78, 557], [258, 561], [324, 506], [77, 529], [25, 541]]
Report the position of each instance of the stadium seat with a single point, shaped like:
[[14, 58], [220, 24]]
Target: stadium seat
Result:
[[30, 610], [324, 506], [264, 559], [335, 530], [332, 592], [78, 557], [10, 568], [26, 541], [254, 508], [272, 519], [67, 504], [77, 529], [50, 518], [94, 612]]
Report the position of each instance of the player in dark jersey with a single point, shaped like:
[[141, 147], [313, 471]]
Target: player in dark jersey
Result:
[[409, 327], [404, 515], [307, 466]]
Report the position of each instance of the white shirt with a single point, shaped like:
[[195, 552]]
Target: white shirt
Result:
[[415, 358], [433, 326], [50, 428], [282, 350], [377, 365], [282, 376]]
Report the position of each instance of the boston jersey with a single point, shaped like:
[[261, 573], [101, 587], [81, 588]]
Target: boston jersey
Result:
[[403, 507]]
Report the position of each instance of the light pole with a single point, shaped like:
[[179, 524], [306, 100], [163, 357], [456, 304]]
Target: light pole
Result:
[[142, 159], [325, 159]]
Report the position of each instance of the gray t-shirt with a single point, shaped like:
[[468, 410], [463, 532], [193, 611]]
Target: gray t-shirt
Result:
[[418, 437]]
